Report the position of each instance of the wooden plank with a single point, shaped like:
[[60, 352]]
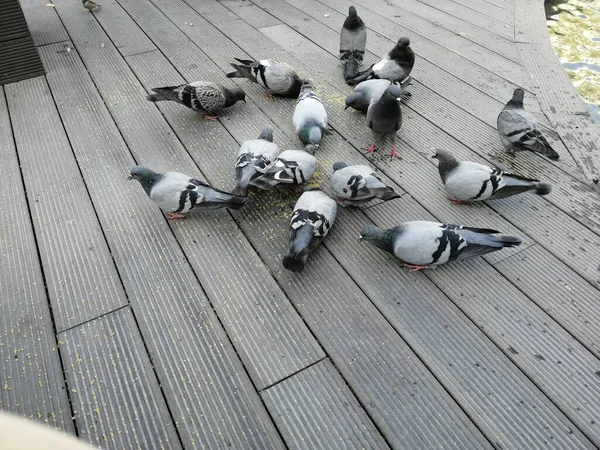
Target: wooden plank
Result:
[[530, 22], [80, 275], [497, 12], [315, 409], [475, 18], [458, 352], [32, 381], [568, 298], [212, 400], [117, 401], [235, 280], [356, 355], [43, 22]]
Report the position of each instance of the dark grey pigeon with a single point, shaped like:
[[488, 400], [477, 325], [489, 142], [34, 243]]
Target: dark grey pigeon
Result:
[[357, 184], [310, 117], [313, 217], [384, 118], [291, 167], [203, 96], [370, 91], [177, 194], [468, 181], [518, 129], [395, 66], [277, 78], [421, 244], [353, 40], [254, 156]]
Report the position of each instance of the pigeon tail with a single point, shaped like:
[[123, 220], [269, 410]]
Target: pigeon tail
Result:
[[241, 71], [350, 68], [236, 202], [543, 189], [156, 98], [294, 263], [387, 193], [361, 76]]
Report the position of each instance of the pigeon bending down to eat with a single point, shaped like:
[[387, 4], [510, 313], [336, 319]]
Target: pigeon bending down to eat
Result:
[[370, 91], [395, 66], [291, 167], [177, 194], [421, 244], [468, 181], [277, 78], [353, 40], [358, 184], [384, 118], [518, 129], [312, 219], [310, 117], [91, 5], [202, 96], [254, 156]]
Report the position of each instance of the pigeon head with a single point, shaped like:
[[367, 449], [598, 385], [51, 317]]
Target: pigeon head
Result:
[[266, 134], [447, 162], [384, 239], [339, 165], [145, 176], [443, 155], [310, 149], [352, 11], [233, 95], [396, 90], [306, 86], [403, 42], [369, 233], [518, 95]]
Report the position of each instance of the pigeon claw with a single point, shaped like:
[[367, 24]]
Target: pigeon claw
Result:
[[394, 153], [207, 117], [174, 216], [371, 148], [455, 201], [414, 268]]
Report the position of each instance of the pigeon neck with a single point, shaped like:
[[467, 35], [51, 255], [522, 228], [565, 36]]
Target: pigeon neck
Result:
[[384, 239], [514, 104], [310, 134], [353, 22], [149, 180], [231, 98], [402, 54], [445, 166], [296, 87]]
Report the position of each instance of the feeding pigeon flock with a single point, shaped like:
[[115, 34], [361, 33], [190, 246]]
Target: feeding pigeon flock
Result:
[[377, 93], [202, 96], [178, 194]]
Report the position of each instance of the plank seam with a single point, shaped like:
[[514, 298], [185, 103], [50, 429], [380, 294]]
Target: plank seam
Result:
[[296, 373], [43, 274], [96, 318], [52, 43]]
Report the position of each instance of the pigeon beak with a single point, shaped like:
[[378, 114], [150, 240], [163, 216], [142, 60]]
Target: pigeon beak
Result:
[[360, 238], [130, 177], [434, 157]]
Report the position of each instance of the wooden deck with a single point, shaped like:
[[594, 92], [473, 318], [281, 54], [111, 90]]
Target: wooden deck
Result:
[[135, 332]]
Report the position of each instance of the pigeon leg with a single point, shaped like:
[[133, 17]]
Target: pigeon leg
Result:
[[371, 148], [414, 268], [394, 153], [207, 117], [174, 215], [455, 201]]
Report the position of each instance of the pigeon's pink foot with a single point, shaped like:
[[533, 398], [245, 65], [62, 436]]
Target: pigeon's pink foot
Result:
[[394, 153], [174, 216], [455, 201], [207, 117], [414, 268], [337, 200], [371, 148]]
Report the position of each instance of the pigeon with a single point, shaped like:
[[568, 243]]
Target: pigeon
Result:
[[468, 181], [312, 219], [358, 184], [292, 167], [421, 244], [310, 117], [384, 118], [91, 5], [353, 40], [395, 66], [518, 129], [370, 91], [254, 156], [277, 78], [178, 194], [202, 96]]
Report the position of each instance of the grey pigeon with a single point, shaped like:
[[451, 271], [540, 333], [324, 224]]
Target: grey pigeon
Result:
[[177, 194], [370, 91], [254, 156], [395, 66], [358, 184], [312, 219], [518, 129], [468, 181], [310, 117], [202, 96], [353, 40], [91, 5], [384, 118], [421, 244], [292, 167], [276, 77]]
